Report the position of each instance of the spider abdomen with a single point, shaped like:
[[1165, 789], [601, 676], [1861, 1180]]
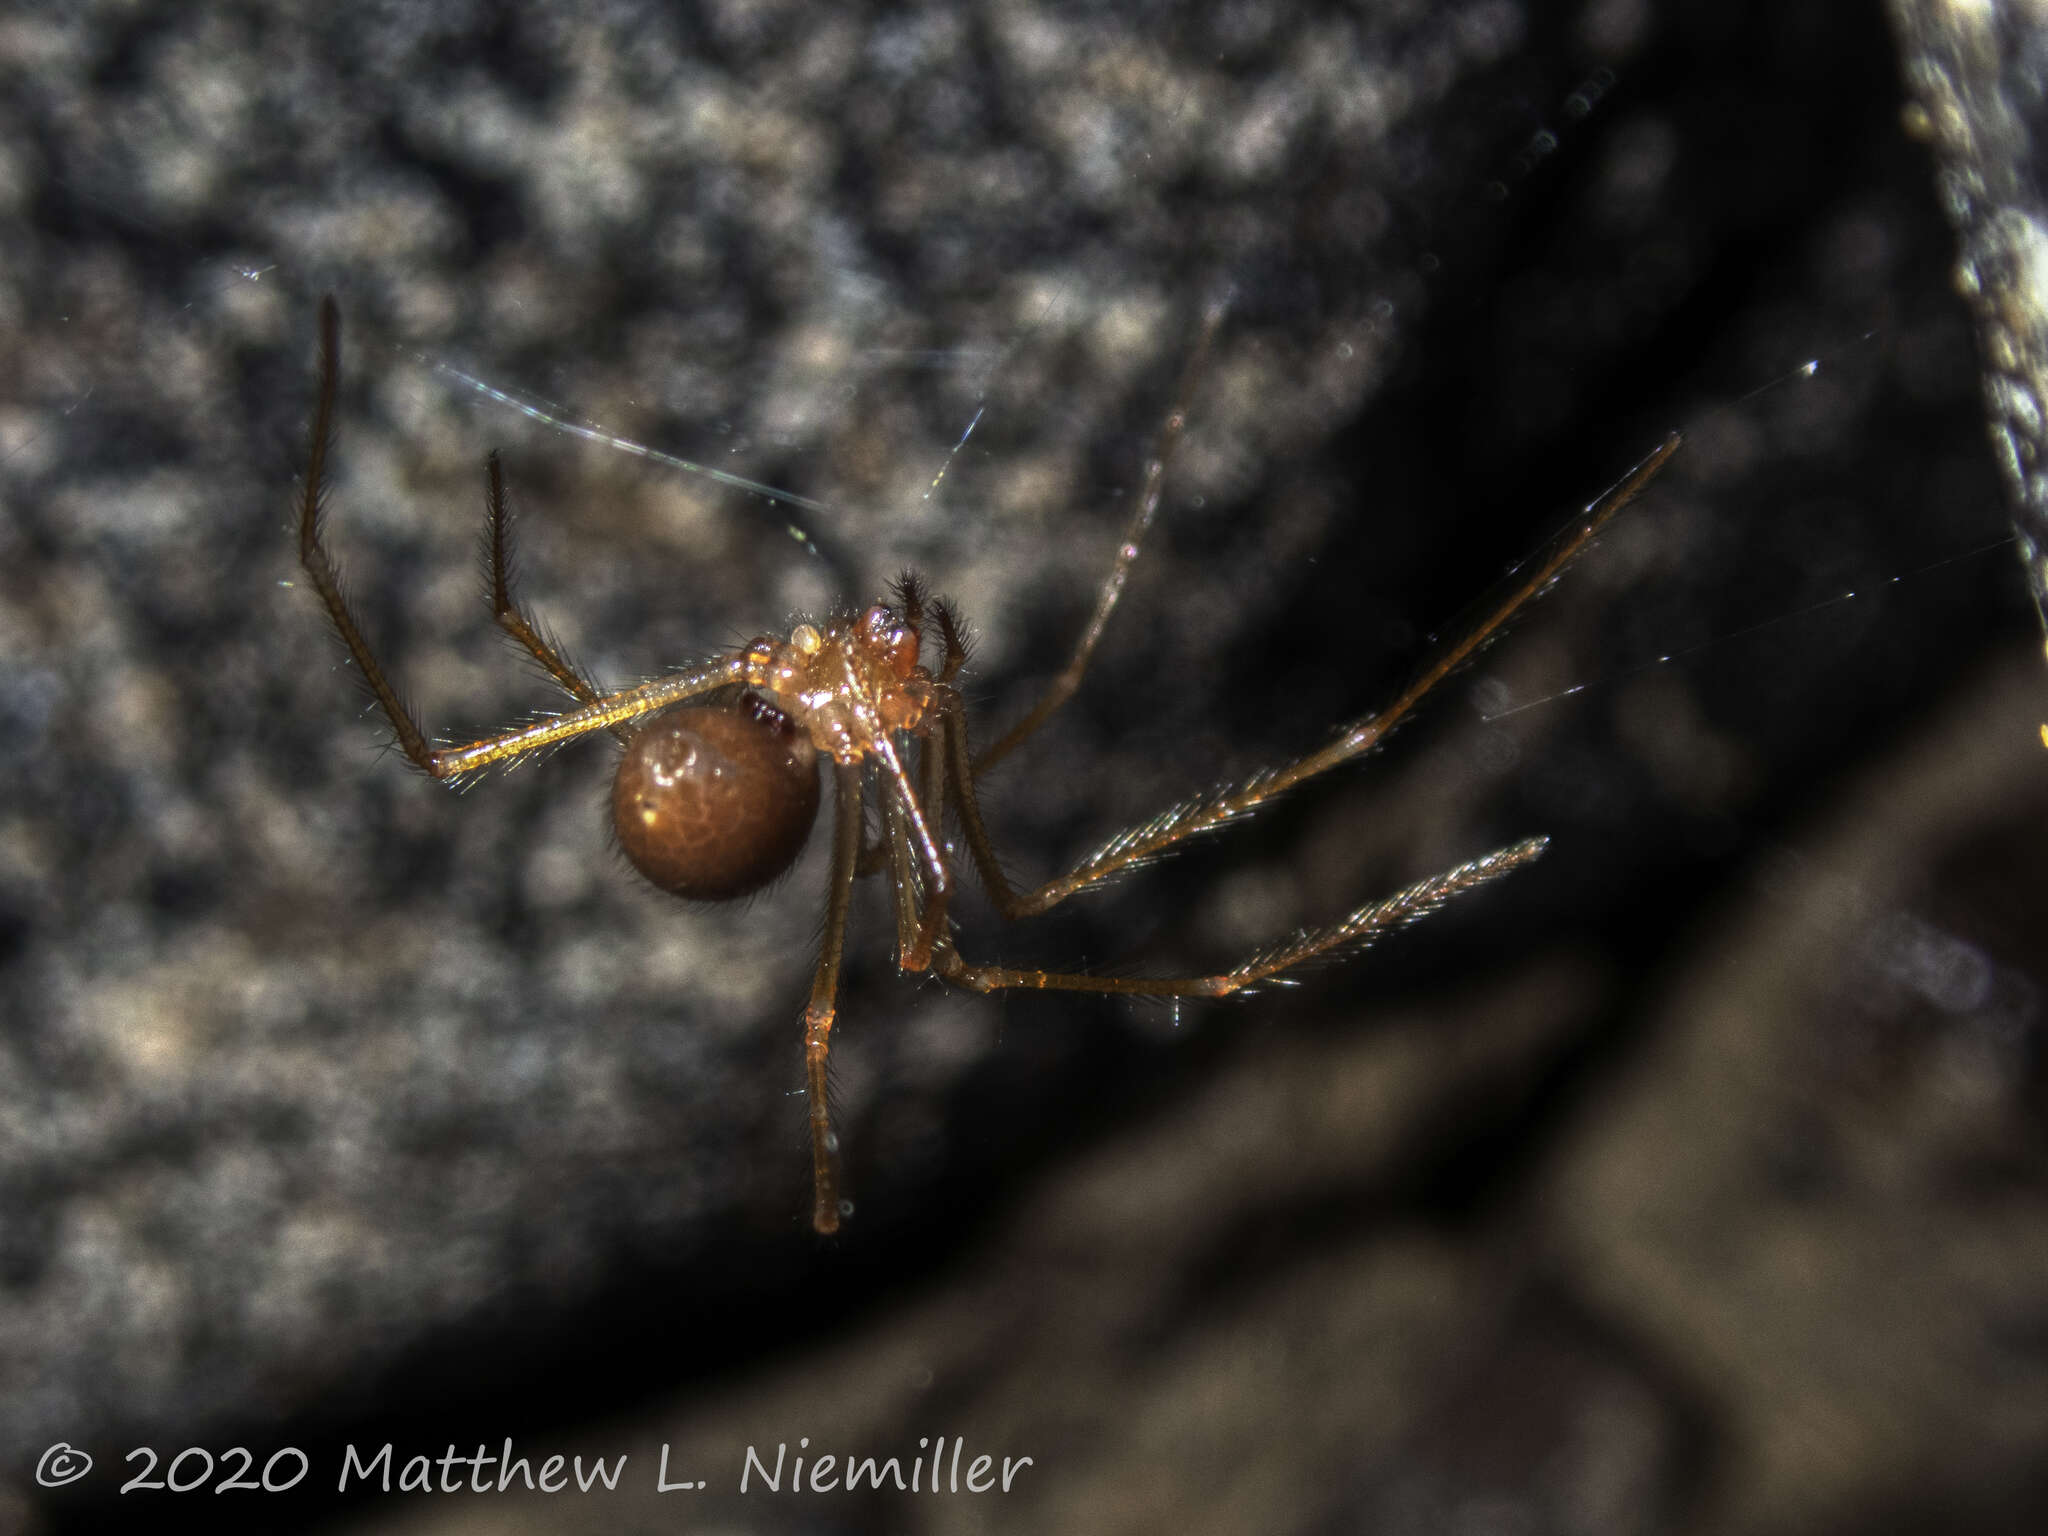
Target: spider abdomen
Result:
[[713, 802]]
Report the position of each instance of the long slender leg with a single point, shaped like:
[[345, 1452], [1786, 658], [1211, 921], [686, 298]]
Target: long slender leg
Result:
[[914, 820], [910, 603], [931, 797], [506, 609], [322, 572], [922, 831], [1149, 839], [598, 715], [918, 929], [599, 712], [905, 884], [1355, 931], [874, 858], [920, 901], [818, 1016], [1063, 686]]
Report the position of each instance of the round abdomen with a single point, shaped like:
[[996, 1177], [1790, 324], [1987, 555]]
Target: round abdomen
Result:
[[713, 802]]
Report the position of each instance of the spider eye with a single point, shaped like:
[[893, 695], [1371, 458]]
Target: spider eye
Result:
[[714, 802]]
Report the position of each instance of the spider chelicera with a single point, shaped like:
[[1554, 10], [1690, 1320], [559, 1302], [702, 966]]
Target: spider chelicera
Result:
[[717, 786]]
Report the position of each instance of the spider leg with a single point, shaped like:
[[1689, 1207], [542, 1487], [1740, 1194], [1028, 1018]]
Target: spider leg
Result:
[[931, 770], [818, 1016], [598, 711], [321, 569], [915, 916], [1063, 686], [880, 854], [505, 608], [919, 829], [874, 858], [601, 713], [1355, 931], [914, 821], [1149, 839], [905, 884]]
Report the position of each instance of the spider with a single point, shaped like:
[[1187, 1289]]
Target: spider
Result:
[[717, 788]]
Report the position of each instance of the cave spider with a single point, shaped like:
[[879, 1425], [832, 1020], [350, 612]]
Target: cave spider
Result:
[[717, 786]]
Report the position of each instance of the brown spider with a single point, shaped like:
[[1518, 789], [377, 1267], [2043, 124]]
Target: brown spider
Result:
[[714, 799]]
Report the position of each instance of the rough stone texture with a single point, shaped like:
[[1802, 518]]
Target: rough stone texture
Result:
[[335, 1109], [1820, 1189], [1974, 76]]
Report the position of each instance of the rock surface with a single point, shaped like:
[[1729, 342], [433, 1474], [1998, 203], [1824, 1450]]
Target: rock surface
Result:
[[1692, 1179]]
